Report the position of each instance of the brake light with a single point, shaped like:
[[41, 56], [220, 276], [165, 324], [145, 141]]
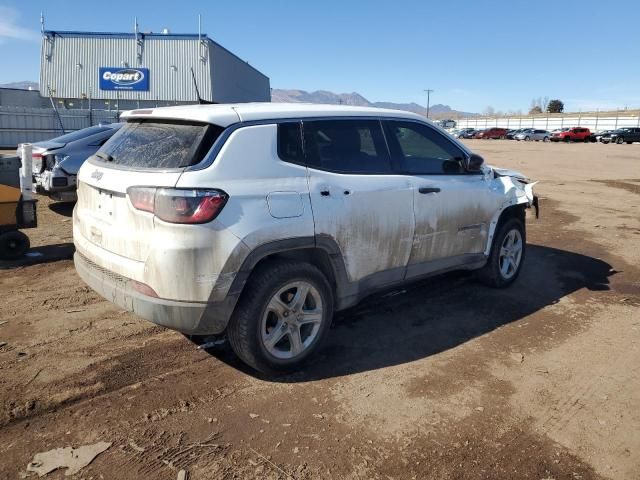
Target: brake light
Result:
[[175, 205], [36, 155]]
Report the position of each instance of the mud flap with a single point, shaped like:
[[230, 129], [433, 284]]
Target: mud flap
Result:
[[536, 206]]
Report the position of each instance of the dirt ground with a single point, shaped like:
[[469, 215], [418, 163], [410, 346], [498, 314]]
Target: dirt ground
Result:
[[445, 379]]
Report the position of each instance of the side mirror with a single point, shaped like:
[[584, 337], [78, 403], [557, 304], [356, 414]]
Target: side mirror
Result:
[[475, 162]]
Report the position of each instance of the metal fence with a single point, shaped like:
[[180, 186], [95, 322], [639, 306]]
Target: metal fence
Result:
[[28, 125], [592, 121]]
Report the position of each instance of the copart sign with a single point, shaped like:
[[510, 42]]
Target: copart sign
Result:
[[124, 79]]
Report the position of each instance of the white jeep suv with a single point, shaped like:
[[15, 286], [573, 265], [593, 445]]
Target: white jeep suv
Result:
[[262, 220]]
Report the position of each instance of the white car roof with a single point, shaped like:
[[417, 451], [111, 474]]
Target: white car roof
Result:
[[227, 114]]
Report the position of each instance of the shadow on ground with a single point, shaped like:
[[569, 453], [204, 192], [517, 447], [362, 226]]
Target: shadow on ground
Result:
[[62, 208], [44, 254], [434, 315]]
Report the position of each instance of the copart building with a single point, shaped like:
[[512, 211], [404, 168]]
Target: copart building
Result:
[[131, 70]]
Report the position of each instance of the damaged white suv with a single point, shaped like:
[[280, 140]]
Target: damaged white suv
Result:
[[262, 220]]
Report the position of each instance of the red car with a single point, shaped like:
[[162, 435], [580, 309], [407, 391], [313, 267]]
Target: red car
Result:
[[492, 133], [575, 134]]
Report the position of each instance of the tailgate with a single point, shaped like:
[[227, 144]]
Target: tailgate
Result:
[[104, 215]]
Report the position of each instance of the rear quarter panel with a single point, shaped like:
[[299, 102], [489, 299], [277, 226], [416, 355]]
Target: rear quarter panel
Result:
[[268, 198]]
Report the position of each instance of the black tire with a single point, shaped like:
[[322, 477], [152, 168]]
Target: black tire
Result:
[[244, 330], [629, 143], [545, 139], [490, 274], [527, 139], [567, 139], [13, 245], [620, 140]]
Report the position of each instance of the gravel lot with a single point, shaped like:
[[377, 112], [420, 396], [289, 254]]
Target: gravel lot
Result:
[[445, 379]]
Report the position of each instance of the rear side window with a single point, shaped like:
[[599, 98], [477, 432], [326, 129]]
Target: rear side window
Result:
[[346, 146], [159, 144], [420, 150], [290, 142]]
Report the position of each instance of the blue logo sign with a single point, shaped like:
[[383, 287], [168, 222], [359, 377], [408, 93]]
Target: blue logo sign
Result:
[[124, 79]]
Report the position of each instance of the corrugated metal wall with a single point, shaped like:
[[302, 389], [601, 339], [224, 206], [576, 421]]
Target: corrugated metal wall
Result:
[[23, 98], [22, 124], [234, 79], [70, 65]]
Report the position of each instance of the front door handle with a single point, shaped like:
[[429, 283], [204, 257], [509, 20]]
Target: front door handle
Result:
[[429, 190]]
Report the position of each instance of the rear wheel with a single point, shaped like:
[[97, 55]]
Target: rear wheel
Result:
[[13, 245], [507, 255], [282, 317]]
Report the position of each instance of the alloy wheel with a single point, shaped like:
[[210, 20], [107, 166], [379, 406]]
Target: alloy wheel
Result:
[[291, 321], [510, 254]]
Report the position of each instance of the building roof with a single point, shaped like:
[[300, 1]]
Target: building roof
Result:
[[227, 114]]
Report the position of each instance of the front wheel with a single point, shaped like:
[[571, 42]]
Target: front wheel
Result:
[[526, 139], [507, 255], [282, 317], [545, 139], [620, 141]]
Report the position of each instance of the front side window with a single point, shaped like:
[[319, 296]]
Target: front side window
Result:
[[346, 146], [420, 150]]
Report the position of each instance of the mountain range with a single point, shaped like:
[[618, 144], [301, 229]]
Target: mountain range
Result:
[[323, 96], [437, 111]]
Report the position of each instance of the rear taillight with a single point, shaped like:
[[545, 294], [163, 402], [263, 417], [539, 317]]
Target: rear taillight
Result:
[[36, 155], [142, 198], [175, 205]]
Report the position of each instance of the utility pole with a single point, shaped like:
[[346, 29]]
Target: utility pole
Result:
[[428, 98]]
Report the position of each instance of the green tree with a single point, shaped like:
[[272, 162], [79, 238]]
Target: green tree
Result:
[[535, 110], [555, 106]]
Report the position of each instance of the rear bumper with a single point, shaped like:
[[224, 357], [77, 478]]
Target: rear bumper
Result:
[[191, 318]]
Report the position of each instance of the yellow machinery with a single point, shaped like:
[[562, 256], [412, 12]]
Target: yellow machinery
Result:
[[17, 206]]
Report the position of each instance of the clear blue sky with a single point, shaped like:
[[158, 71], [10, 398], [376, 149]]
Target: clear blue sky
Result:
[[474, 54]]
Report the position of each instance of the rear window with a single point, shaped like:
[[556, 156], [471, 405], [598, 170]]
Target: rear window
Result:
[[159, 144]]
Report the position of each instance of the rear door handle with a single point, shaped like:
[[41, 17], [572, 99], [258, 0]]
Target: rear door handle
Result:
[[429, 190]]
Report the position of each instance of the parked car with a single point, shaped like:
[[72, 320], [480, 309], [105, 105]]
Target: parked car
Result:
[[622, 135], [529, 134], [56, 162], [597, 136], [446, 123], [512, 133], [492, 133], [465, 133], [574, 134], [191, 218]]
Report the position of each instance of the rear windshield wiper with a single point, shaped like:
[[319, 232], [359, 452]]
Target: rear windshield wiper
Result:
[[104, 156]]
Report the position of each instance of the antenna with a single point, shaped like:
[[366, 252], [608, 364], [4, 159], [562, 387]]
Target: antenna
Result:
[[201, 101]]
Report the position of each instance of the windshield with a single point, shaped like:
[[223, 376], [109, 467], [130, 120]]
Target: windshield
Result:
[[159, 144], [79, 134]]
